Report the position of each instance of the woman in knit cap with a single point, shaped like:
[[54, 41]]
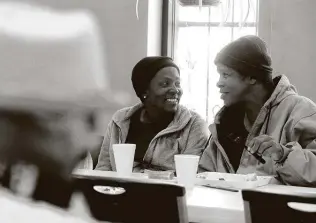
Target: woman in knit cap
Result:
[[159, 126], [263, 115]]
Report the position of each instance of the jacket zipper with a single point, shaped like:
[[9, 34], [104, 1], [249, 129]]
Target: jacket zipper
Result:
[[162, 133]]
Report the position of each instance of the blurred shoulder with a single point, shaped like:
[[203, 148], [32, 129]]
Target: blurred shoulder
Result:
[[126, 113]]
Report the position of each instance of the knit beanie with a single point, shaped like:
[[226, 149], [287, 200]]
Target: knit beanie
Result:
[[249, 57], [145, 70]]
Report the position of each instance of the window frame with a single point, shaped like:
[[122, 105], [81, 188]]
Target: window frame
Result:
[[170, 29]]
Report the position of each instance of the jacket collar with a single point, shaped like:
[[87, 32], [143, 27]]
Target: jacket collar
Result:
[[181, 118]]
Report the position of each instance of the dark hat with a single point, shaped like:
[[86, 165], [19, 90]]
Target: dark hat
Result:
[[145, 70], [248, 56]]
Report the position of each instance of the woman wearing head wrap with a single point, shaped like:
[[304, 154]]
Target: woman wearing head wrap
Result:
[[159, 126]]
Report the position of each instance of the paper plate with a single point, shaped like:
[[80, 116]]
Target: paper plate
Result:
[[237, 181]]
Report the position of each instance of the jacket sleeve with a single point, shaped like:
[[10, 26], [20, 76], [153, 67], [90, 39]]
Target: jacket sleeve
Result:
[[104, 162], [198, 137], [298, 165], [208, 158]]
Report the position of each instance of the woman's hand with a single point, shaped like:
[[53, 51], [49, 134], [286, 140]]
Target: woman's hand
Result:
[[266, 146]]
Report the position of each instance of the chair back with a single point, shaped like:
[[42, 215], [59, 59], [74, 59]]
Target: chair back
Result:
[[264, 207], [126, 200]]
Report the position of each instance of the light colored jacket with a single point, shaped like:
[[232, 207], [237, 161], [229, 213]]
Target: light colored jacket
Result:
[[186, 134], [292, 123], [39, 211]]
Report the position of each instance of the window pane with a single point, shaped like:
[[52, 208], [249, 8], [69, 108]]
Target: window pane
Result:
[[218, 38], [193, 14], [223, 12], [191, 56], [239, 32], [197, 45], [244, 7], [196, 50], [196, 14]]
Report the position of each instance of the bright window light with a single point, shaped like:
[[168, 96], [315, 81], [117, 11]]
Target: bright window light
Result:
[[199, 35]]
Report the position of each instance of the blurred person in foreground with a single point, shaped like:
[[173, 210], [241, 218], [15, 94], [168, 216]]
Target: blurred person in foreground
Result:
[[265, 114], [158, 125], [52, 85]]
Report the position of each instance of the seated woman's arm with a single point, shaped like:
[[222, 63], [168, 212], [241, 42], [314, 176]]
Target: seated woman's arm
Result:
[[298, 165], [104, 162], [198, 137]]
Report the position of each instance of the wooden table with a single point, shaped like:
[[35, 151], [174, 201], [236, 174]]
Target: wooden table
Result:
[[212, 205]]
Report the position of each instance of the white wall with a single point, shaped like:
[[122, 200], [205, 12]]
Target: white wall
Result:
[[288, 26]]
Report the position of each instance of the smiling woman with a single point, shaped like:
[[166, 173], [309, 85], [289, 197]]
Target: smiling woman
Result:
[[164, 90], [159, 126], [231, 85]]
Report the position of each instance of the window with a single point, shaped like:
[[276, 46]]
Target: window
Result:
[[198, 34]]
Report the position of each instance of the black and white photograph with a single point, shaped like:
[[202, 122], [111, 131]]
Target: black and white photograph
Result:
[[157, 111]]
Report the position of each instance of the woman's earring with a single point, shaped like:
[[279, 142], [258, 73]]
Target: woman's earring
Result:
[[145, 96]]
